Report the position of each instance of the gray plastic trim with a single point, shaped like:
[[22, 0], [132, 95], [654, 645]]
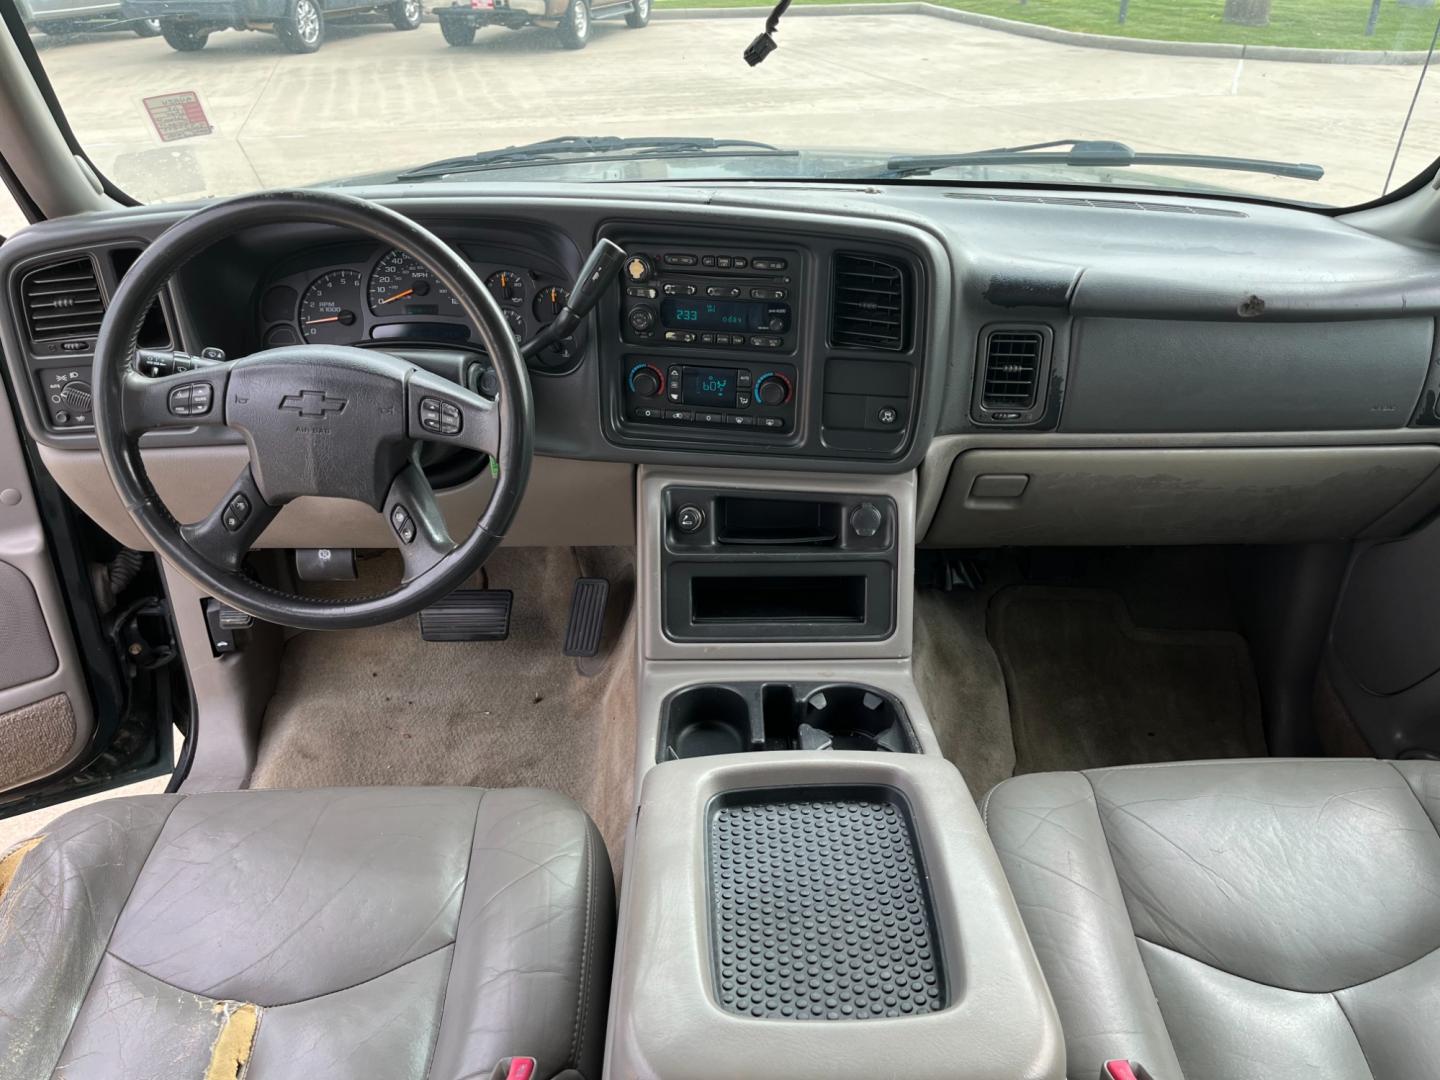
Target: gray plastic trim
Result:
[[23, 546], [567, 503], [1149, 496], [934, 476]]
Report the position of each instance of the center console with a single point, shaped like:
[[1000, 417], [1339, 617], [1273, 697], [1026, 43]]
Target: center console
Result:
[[805, 915]]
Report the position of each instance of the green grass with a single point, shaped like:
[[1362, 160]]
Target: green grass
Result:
[[1313, 24]]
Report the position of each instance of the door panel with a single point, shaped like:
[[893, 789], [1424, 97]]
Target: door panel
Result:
[[46, 721]]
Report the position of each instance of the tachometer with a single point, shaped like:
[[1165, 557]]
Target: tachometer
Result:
[[549, 301], [401, 284], [506, 286], [329, 309]]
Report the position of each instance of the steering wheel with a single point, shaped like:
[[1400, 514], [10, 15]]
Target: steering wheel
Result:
[[328, 420]]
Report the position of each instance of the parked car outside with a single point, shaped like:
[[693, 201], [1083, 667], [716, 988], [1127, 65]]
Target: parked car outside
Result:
[[299, 24], [570, 19], [78, 16]]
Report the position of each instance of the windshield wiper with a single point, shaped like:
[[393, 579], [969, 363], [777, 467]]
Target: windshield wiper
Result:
[[1096, 154], [588, 147]]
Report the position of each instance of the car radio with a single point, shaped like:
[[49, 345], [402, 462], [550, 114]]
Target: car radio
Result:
[[710, 299]]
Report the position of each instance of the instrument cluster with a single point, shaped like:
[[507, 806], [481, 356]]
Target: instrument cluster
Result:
[[393, 297]]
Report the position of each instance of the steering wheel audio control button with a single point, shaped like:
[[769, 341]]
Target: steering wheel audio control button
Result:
[[237, 512], [403, 523], [192, 399], [439, 417]]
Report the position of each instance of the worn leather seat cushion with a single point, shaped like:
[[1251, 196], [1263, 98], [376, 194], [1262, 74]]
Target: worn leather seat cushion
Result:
[[1276, 919], [369, 932]]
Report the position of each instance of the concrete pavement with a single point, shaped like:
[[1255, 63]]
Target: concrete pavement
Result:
[[375, 98]]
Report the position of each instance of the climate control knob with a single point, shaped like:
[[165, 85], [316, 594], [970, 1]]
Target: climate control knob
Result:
[[642, 319], [646, 381], [772, 389]]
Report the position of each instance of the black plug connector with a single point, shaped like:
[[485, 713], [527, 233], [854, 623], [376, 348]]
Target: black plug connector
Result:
[[764, 45], [760, 48]]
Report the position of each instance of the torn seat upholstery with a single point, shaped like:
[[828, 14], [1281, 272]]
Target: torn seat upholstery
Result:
[[369, 932], [1276, 919]]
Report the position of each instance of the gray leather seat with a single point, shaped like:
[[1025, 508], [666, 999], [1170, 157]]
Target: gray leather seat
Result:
[[367, 932], [1275, 919]]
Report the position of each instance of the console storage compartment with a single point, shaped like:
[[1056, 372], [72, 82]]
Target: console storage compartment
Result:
[[701, 721], [788, 566], [835, 915]]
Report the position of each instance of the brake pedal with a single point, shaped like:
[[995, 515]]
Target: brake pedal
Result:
[[587, 616], [468, 615]]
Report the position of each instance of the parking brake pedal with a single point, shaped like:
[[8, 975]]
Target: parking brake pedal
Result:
[[468, 615], [587, 616]]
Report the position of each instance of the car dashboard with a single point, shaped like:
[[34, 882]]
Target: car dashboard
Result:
[[1054, 368]]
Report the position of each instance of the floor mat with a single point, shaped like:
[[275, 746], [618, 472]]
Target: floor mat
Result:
[[382, 706], [1087, 688], [961, 683]]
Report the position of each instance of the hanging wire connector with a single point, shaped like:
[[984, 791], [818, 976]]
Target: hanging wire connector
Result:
[[764, 45]]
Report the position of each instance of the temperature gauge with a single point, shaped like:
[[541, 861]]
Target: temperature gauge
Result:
[[549, 301]]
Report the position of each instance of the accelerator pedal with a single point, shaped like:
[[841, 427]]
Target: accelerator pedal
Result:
[[587, 616], [468, 615]]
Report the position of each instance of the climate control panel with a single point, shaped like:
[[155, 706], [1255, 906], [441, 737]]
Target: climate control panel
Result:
[[751, 397]]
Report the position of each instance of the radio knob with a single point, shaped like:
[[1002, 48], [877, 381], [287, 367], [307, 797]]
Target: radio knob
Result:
[[772, 389], [642, 319], [637, 268], [646, 381]]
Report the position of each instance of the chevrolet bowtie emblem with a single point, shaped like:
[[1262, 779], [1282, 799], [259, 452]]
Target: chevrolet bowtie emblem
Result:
[[313, 403]]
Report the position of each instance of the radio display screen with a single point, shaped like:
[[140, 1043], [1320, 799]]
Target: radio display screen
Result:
[[708, 386], [739, 315]]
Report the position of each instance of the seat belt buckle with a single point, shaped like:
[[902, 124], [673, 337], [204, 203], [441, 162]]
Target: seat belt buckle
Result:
[[1121, 1069], [514, 1068]]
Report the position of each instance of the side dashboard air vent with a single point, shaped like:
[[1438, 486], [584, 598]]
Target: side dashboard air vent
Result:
[[870, 305], [62, 300], [1013, 369]]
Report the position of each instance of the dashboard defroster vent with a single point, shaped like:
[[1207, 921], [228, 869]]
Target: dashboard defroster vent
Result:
[[870, 309], [1014, 364], [62, 300]]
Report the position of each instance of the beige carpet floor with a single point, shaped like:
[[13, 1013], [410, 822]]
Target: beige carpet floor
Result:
[[383, 706], [1089, 688]]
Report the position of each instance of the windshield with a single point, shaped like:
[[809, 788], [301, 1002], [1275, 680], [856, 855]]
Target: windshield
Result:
[[1313, 101]]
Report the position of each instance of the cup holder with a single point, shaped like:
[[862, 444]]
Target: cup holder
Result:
[[707, 720], [732, 719], [850, 718]]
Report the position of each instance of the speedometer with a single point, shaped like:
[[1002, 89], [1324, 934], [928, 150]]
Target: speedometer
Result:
[[329, 309], [401, 284]]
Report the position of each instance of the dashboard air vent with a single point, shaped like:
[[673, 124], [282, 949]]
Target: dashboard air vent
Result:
[[1012, 369], [62, 300], [1013, 374], [870, 304]]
